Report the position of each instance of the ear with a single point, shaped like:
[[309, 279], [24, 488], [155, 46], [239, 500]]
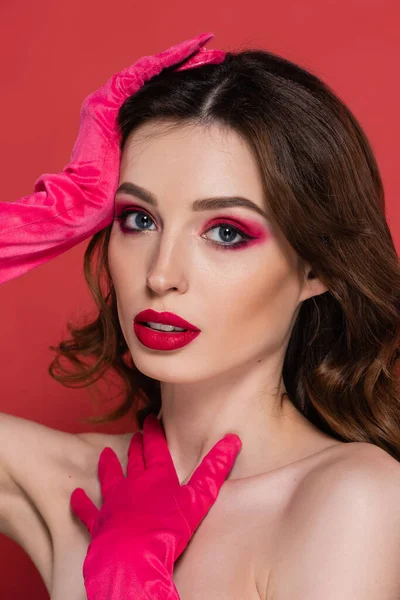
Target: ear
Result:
[[312, 285]]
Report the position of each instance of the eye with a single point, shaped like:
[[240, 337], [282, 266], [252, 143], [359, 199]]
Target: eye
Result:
[[139, 221], [228, 233], [225, 239]]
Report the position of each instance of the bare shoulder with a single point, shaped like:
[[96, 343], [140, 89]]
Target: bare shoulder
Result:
[[340, 535], [353, 463], [38, 465], [28, 449], [360, 472]]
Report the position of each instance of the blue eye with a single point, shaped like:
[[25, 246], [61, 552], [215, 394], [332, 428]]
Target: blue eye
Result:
[[124, 216], [144, 219]]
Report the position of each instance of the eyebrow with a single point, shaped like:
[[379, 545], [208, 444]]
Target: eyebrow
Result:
[[198, 205]]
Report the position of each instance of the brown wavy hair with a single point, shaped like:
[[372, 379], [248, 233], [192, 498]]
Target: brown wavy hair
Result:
[[325, 192]]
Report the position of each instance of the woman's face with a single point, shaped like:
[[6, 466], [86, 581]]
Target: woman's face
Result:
[[243, 294]]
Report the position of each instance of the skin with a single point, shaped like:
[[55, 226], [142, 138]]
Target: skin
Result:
[[245, 300], [227, 380]]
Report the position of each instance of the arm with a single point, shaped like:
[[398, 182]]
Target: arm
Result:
[[39, 468], [69, 207], [346, 544], [20, 519], [9, 495]]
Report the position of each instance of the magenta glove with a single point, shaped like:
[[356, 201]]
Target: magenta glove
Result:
[[147, 518], [68, 207]]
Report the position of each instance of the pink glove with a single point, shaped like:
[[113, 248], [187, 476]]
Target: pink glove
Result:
[[71, 206], [148, 518]]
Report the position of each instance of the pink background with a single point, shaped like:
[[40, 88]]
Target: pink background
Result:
[[53, 54]]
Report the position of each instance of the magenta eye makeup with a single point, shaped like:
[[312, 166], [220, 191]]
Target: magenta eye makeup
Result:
[[251, 233], [248, 232]]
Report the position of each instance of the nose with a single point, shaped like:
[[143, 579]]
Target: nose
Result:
[[168, 267]]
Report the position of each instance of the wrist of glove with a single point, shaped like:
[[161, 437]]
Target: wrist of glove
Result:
[[119, 567]]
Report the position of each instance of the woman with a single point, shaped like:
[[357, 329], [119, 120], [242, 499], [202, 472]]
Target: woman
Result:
[[249, 203]]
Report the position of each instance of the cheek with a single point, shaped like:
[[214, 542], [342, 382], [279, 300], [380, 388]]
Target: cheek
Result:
[[125, 278], [123, 261], [112, 253], [260, 298]]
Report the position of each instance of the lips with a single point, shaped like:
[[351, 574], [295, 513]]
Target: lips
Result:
[[159, 340], [166, 318]]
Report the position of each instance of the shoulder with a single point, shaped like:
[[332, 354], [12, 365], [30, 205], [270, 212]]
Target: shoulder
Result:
[[41, 465], [340, 536], [28, 448], [355, 464], [353, 468]]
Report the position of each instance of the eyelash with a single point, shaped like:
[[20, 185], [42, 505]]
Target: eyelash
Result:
[[125, 214]]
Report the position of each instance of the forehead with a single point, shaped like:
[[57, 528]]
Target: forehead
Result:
[[212, 159], [179, 164]]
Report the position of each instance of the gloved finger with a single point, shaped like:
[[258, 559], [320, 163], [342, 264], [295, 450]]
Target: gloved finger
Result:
[[155, 449], [130, 80], [83, 508], [209, 476], [203, 57], [109, 469], [135, 456]]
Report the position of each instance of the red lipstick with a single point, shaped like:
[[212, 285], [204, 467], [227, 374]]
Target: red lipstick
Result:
[[163, 340], [166, 318]]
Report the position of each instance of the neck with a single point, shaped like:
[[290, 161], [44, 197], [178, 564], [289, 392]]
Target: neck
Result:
[[195, 416]]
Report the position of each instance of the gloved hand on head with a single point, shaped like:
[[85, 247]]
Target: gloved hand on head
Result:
[[69, 207]]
